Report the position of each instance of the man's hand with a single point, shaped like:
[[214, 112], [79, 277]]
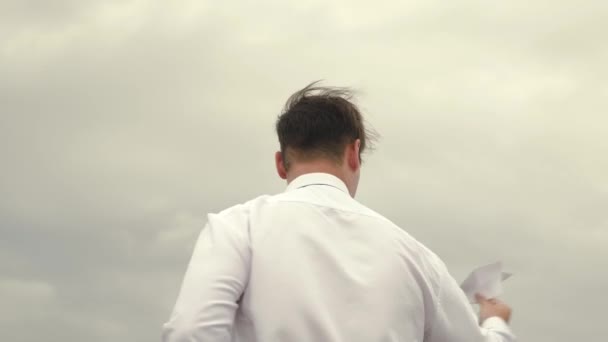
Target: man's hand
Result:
[[492, 308]]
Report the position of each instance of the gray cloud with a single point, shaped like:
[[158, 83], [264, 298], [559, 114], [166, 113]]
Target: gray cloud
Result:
[[123, 123]]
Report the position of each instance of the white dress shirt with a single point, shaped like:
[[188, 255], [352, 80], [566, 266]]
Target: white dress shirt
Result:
[[313, 264]]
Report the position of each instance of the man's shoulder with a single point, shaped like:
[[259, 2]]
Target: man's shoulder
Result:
[[427, 260], [408, 241], [236, 218]]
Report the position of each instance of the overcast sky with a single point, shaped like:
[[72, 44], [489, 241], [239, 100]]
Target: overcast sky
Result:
[[123, 123]]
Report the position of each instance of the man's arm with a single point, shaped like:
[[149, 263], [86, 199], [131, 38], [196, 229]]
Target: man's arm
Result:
[[215, 279], [455, 321]]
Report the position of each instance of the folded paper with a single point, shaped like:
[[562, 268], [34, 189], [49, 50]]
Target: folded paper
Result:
[[485, 280]]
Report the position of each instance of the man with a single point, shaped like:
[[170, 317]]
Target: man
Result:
[[312, 264]]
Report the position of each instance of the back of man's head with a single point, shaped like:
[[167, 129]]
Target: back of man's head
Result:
[[319, 122]]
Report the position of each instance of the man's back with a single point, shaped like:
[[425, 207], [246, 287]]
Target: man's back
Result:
[[319, 267], [326, 268]]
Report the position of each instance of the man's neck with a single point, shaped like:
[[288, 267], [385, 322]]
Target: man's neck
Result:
[[312, 167]]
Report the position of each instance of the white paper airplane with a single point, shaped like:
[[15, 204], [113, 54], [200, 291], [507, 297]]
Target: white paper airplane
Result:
[[485, 280]]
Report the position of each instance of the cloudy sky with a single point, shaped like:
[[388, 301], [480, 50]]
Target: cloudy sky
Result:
[[122, 123]]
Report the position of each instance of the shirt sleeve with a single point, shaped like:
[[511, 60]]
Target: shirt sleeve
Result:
[[215, 280], [455, 321]]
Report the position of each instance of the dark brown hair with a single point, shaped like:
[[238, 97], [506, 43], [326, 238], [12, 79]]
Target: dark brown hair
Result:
[[319, 122]]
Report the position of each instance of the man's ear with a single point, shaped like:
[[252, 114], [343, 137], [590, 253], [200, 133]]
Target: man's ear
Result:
[[278, 160], [354, 159]]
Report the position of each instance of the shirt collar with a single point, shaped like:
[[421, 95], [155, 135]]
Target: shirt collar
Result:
[[317, 178]]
